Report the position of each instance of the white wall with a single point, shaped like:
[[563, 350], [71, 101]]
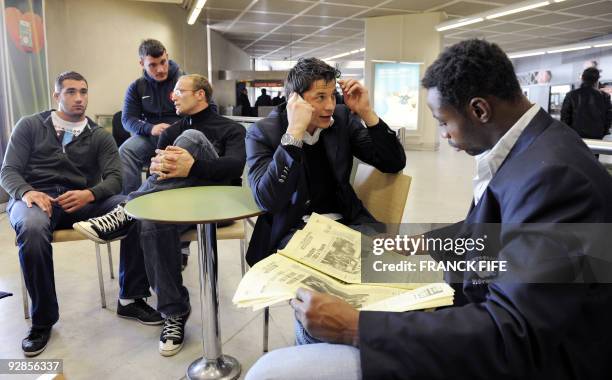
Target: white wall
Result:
[[100, 38], [410, 38], [226, 56]]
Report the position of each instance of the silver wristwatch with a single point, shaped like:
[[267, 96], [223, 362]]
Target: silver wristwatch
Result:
[[288, 139]]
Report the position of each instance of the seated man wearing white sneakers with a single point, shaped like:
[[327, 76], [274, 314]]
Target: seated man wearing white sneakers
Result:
[[200, 149]]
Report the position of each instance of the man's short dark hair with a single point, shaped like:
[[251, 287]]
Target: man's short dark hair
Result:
[[307, 71], [590, 76], [472, 68], [263, 91], [152, 48], [73, 75]]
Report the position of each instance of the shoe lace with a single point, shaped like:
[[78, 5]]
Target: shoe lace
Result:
[[173, 328], [112, 220]]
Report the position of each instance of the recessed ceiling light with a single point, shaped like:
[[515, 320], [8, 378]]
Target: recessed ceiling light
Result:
[[561, 50], [460, 23], [344, 54], [511, 10], [195, 12], [526, 54]]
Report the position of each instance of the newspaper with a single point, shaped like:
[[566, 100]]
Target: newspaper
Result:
[[325, 256]]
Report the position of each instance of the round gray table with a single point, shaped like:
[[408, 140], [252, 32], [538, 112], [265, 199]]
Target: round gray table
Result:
[[204, 206]]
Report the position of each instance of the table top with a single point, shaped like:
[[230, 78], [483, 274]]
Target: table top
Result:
[[192, 205]]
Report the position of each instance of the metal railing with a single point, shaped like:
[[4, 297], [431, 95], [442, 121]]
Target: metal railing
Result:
[[599, 146]]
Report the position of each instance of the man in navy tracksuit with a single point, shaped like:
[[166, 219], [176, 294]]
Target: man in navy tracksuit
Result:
[[147, 111]]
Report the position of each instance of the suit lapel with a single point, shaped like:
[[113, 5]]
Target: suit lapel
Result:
[[536, 126]]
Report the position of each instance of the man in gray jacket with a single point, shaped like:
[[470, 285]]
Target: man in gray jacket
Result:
[[60, 168]]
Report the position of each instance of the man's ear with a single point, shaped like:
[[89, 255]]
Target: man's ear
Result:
[[480, 109], [141, 61], [56, 96]]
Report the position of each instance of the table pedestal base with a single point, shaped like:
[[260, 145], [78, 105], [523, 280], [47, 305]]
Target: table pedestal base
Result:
[[226, 368]]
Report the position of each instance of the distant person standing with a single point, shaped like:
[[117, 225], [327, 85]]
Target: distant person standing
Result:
[[263, 100], [243, 101], [278, 99], [587, 110]]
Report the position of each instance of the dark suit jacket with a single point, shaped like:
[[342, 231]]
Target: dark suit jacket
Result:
[[513, 329], [588, 111], [278, 179]]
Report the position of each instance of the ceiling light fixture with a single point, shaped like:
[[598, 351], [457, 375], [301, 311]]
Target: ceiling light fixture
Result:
[[458, 24], [344, 54], [513, 9], [526, 54], [561, 50], [195, 12], [493, 13]]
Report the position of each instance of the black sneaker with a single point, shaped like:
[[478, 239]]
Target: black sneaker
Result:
[[36, 341], [140, 311], [110, 226], [172, 335]]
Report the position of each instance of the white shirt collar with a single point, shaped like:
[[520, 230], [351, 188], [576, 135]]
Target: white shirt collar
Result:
[[312, 139], [488, 162]]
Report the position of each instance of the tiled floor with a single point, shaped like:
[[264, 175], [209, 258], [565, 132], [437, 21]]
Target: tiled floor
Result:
[[94, 343]]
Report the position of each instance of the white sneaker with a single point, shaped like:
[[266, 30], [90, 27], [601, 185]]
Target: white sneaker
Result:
[[172, 336], [110, 226]]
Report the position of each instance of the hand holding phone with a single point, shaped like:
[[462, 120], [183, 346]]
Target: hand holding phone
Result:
[[299, 114]]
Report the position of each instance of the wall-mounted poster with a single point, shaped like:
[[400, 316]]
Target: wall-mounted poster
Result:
[[27, 61], [396, 93]]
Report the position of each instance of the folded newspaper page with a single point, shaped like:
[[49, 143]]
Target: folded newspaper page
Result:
[[325, 256]]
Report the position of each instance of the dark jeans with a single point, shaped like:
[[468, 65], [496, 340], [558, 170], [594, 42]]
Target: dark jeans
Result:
[[34, 234], [135, 153], [161, 242]]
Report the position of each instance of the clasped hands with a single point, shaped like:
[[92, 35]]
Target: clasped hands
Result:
[[70, 201], [172, 162]]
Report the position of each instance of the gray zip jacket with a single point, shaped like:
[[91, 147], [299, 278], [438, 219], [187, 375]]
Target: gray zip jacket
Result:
[[35, 159]]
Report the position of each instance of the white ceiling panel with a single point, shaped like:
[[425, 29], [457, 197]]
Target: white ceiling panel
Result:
[[415, 5], [330, 10], [287, 28]]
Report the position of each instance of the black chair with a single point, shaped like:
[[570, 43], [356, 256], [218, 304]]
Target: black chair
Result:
[[119, 134]]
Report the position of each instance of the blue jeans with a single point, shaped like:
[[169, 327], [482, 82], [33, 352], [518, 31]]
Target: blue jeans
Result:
[[34, 234], [320, 361], [135, 153], [161, 242], [310, 359]]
